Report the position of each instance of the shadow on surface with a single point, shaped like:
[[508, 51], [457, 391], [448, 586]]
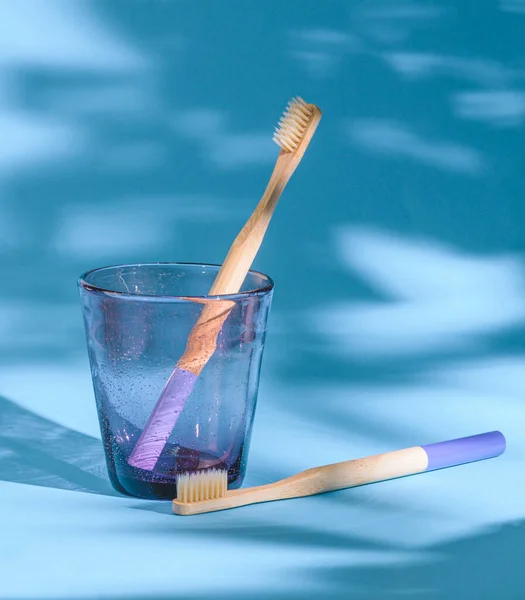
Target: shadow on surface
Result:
[[36, 451], [481, 567], [459, 572]]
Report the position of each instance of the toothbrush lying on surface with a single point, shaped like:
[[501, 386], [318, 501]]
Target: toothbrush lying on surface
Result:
[[292, 135], [206, 491]]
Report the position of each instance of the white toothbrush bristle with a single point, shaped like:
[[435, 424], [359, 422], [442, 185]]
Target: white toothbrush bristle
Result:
[[202, 485], [293, 124]]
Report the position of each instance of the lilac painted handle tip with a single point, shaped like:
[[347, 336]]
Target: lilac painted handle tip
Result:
[[162, 421], [464, 450]]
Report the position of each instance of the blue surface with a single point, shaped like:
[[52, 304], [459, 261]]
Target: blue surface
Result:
[[140, 130]]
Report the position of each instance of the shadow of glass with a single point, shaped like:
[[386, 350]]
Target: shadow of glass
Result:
[[37, 451]]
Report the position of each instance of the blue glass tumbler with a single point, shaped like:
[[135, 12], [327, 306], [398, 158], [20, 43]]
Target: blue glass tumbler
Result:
[[137, 319]]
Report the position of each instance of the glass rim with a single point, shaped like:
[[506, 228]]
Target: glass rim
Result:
[[89, 287]]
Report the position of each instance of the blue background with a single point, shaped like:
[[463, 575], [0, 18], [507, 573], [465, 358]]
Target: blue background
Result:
[[140, 130]]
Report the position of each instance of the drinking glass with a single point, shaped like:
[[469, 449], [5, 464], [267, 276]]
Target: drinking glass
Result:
[[137, 319]]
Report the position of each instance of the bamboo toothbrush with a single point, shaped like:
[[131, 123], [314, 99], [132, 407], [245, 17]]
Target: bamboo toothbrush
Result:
[[292, 135], [206, 491]]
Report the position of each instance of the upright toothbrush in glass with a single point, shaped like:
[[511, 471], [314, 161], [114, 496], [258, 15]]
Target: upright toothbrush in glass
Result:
[[292, 135]]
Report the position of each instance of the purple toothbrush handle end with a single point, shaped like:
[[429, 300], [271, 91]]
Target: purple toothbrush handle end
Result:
[[158, 429], [464, 450]]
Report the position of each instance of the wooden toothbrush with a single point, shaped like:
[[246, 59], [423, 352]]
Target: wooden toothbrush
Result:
[[293, 134], [206, 491]]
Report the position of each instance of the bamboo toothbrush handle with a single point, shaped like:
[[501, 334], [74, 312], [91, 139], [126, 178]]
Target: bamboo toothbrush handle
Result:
[[202, 340], [360, 471], [244, 249], [390, 465], [338, 476]]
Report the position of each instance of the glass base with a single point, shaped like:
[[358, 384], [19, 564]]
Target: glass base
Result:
[[161, 483]]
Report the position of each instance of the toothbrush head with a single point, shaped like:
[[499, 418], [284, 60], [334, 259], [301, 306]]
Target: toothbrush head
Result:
[[208, 484], [294, 124]]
